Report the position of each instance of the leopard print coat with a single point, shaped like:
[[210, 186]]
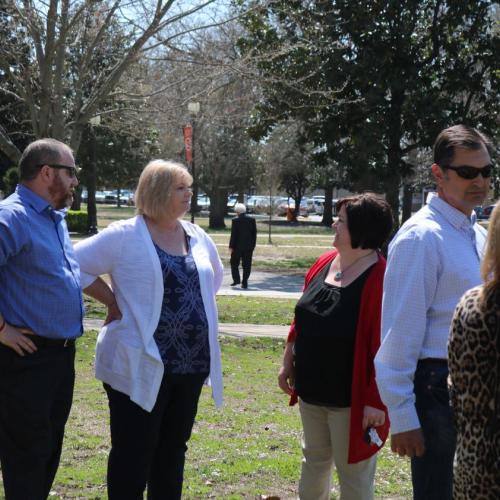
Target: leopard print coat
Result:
[[474, 363]]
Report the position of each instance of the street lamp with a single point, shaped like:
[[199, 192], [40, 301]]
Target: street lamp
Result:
[[193, 110]]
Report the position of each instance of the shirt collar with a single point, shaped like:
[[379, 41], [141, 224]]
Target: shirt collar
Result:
[[37, 202], [454, 216]]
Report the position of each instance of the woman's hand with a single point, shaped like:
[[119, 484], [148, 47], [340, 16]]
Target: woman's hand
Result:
[[372, 417], [114, 313], [286, 375], [101, 291]]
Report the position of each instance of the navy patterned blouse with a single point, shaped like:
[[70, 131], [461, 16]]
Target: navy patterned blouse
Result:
[[182, 332]]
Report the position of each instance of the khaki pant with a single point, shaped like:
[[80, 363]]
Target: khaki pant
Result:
[[326, 443]]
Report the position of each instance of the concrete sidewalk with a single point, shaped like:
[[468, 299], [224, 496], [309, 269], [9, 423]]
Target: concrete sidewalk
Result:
[[232, 329], [266, 284]]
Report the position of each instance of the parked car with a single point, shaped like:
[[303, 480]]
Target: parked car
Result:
[[203, 202], [257, 204], [127, 197], [110, 197], [286, 203], [100, 196], [484, 213], [319, 204]]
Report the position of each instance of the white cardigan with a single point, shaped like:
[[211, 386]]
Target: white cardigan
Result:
[[127, 357]]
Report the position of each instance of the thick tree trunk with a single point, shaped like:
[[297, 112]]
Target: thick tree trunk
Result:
[[77, 201], [392, 197], [218, 203], [327, 219]]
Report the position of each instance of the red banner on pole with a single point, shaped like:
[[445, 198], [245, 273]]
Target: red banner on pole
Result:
[[188, 142]]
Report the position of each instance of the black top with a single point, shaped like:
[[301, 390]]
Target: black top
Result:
[[243, 233], [326, 317]]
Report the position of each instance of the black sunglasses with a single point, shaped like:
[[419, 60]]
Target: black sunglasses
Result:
[[468, 172], [72, 171]]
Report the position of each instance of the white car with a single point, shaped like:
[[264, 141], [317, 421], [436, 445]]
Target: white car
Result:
[[203, 202], [287, 203], [257, 204]]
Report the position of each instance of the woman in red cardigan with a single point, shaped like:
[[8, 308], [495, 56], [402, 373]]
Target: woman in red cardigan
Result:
[[328, 359]]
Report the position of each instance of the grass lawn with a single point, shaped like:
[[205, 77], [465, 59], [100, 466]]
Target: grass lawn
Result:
[[250, 447], [232, 309]]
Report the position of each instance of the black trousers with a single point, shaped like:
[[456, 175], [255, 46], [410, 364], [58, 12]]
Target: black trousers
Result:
[[36, 392], [149, 448], [246, 259]]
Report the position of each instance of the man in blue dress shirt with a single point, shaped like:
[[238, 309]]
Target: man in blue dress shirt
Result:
[[41, 313], [433, 260]]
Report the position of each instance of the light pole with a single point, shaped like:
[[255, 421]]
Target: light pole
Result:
[[95, 121], [193, 109]]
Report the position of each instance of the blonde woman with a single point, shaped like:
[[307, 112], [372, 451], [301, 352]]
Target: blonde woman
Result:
[[159, 343], [474, 367]]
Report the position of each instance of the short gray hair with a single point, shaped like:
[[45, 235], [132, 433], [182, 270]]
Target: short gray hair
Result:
[[156, 185], [239, 208]]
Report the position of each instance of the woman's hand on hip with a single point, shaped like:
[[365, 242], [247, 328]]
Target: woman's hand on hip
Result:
[[372, 417], [114, 313]]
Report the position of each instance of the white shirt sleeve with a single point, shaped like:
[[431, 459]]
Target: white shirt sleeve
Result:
[[410, 284]]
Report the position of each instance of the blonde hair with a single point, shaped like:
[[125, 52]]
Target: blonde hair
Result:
[[490, 267], [155, 187]]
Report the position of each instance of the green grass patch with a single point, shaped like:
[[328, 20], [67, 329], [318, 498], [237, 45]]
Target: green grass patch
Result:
[[255, 310], [298, 264], [250, 447], [232, 309]]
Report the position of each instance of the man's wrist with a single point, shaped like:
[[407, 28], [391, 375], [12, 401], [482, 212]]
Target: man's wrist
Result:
[[3, 325]]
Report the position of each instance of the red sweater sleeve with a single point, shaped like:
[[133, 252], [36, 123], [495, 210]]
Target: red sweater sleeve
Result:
[[372, 394]]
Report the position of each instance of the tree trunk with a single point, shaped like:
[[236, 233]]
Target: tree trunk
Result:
[[327, 219], [8, 148], [407, 201], [218, 204], [77, 201], [392, 197]]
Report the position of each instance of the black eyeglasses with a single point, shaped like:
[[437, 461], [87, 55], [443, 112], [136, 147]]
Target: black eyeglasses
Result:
[[468, 172], [72, 171]]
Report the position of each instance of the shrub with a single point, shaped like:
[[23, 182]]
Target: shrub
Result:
[[10, 180], [77, 221]]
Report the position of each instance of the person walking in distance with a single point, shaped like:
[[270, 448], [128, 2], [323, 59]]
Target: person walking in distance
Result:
[[433, 259], [41, 313], [242, 244]]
